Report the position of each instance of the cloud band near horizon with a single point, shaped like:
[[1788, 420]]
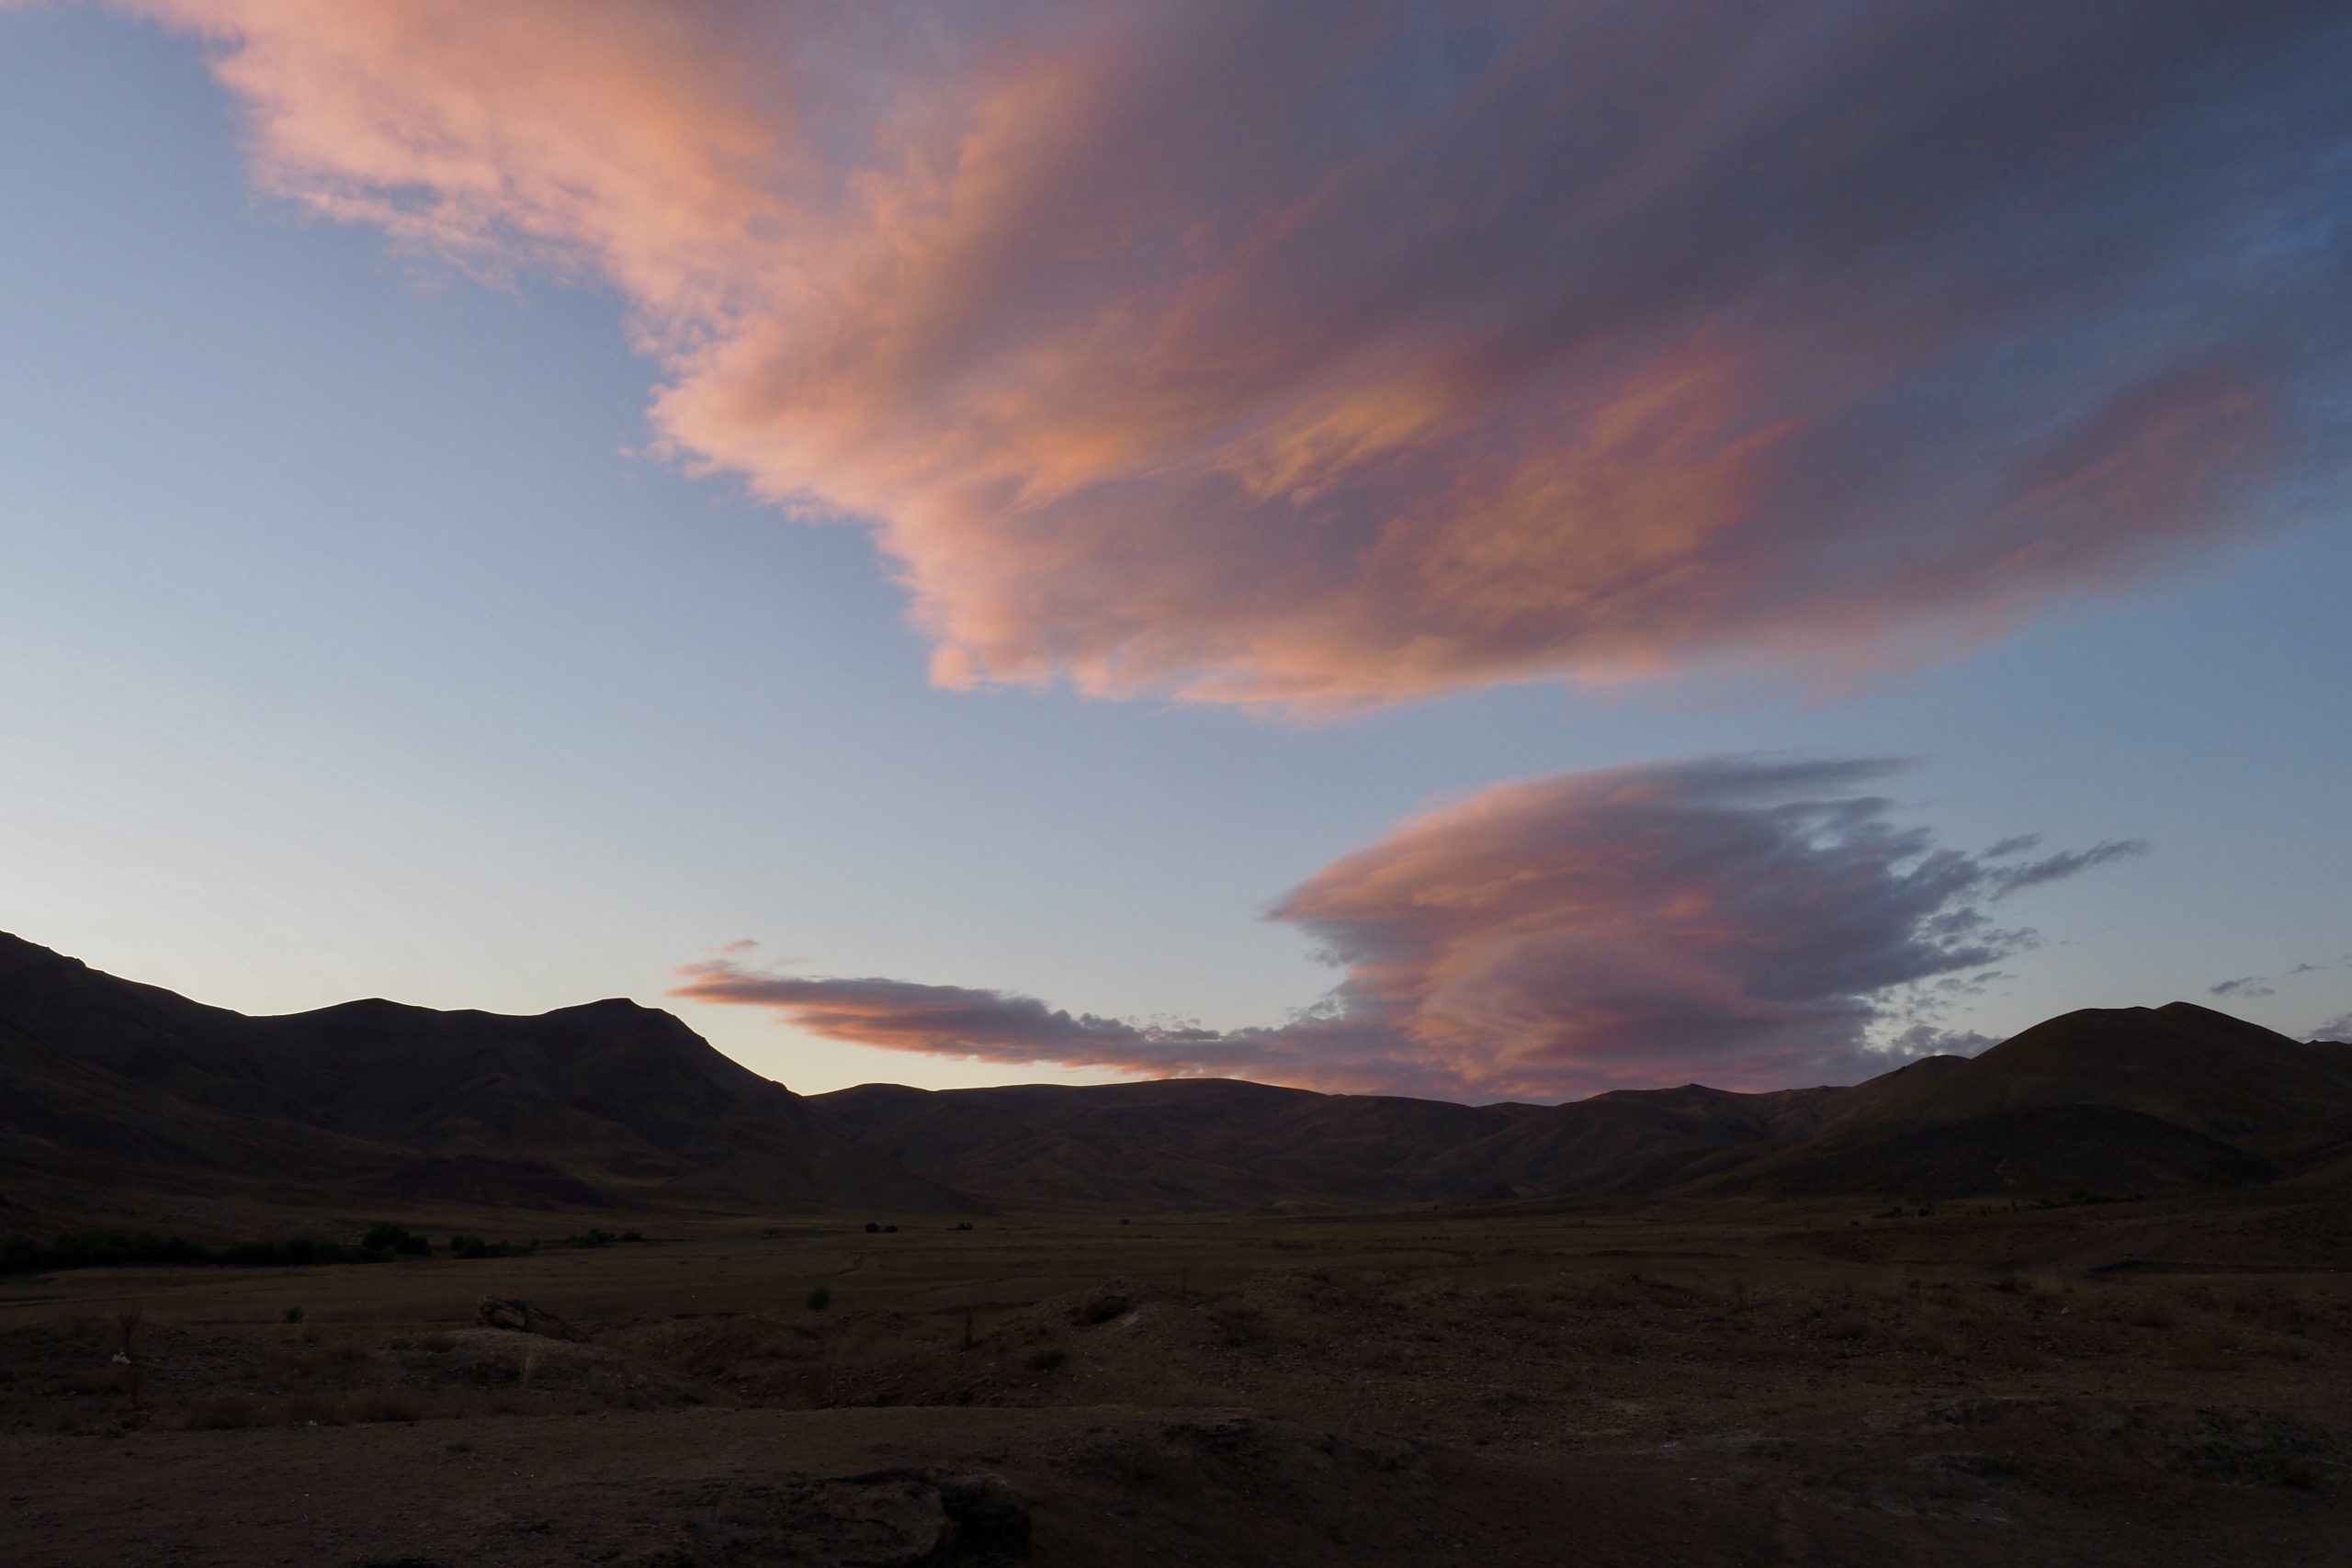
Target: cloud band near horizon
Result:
[[1752, 923], [1314, 357]]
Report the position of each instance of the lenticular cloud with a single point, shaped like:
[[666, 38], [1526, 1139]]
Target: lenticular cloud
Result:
[[1749, 923], [1317, 355]]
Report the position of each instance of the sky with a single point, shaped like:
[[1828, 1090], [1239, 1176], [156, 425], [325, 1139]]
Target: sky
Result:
[[1488, 551]]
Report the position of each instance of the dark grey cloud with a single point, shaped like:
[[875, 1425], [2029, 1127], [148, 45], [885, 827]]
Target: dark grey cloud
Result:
[[1750, 922], [2244, 987], [2053, 868], [1927, 1040], [905, 1015]]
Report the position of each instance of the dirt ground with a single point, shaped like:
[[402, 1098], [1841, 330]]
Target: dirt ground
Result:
[[2134, 1382]]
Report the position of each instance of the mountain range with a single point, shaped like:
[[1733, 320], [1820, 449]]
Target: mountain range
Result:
[[118, 1098]]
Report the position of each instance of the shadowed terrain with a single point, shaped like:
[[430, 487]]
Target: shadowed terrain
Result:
[[114, 1088], [108, 1086], [1807, 1383], [2093, 1286]]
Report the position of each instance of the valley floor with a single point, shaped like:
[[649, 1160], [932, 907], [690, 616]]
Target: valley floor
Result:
[[2134, 1383]]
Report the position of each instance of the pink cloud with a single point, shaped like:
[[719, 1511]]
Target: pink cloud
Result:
[[1320, 357], [1749, 923]]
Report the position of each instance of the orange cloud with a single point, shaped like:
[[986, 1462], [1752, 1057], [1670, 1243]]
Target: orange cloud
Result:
[[1750, 923], [1320, 356]]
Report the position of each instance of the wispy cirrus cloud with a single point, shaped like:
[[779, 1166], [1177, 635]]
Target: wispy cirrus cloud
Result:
[[1750, 922], [1326, 354]]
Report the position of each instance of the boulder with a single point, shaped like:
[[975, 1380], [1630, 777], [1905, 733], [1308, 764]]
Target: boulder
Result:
[[521, 1317]]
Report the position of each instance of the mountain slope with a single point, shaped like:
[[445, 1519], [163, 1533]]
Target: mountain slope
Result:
[[1197, 1145], [108, 1086], [2100, 1100], [2183, 1064], [106, 1080], [1221, 1143]]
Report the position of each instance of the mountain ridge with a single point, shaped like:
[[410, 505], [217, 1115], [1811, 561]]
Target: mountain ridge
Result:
[[110, 1086]]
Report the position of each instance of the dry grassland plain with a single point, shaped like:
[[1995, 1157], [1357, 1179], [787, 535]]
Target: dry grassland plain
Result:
[[2156, 1382]]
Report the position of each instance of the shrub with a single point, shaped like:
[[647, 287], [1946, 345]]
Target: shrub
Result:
[[293, 1314], [819, 1299], [115, 1249], [874, 1227], [385, 1236], [1047, 1359], [600, 1237]]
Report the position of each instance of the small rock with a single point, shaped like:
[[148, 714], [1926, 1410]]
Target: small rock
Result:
[[521, 1317]]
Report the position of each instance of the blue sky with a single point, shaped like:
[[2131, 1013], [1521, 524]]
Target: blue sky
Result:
[[356, 638]]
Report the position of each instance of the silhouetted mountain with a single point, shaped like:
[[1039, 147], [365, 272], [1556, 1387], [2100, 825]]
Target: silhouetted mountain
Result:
[[2107, 1100], [2179, 1063], [1223, 1144], [2102, 1100], [108, 1081], [111, 1087], [1177, 1145]]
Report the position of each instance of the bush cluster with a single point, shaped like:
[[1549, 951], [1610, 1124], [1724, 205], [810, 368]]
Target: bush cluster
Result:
[[116, 1250], [601, 1238], [385, 1236], [383, 1242]]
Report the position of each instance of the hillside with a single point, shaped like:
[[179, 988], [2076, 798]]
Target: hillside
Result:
[[2180, 1063], [107, 1083], [114, 1094], [2100, 1100], [1196, 1145], [1223, 1144]]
